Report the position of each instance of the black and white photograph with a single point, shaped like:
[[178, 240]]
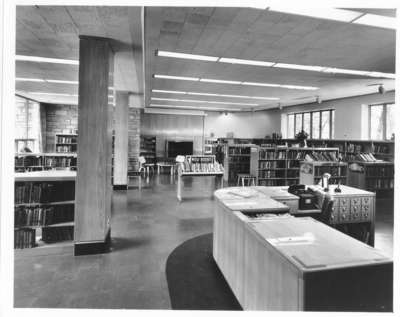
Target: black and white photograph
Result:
[[198, 157]]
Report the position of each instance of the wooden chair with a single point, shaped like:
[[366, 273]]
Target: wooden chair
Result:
[[137, 174]]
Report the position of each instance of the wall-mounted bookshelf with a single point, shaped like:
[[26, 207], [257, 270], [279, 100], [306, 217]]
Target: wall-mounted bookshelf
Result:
[[66, 143], [44, 208], [240, 158], [148, 148], [377, 177]]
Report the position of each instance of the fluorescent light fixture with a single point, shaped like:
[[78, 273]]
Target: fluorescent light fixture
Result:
[[56, 81], [299, 67], [193, 107], [320, 13], [46, 60], [344, 71], [212, 95], [174, 112], [246, 83], [187, 56], [38, 80], [51, 94], [206, 101], [219, 81], [245, 62], [176, 77], [169, 91], [382, 75], [377, 20]]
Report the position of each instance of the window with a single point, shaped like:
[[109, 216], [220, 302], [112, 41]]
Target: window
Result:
[[381, 121], [318, 124]]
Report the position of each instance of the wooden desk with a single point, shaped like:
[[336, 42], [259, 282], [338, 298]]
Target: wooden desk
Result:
[[290, 263]]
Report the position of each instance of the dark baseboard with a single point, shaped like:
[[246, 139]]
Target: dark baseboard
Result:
[[120, 187], [93, 247]]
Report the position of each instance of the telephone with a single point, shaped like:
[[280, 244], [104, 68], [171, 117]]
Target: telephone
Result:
[[307, 197]]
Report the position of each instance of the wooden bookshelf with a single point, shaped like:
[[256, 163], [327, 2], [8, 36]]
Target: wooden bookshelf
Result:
[[377, 177], [240, 158], [148, 148], [44, 207], [66, 143], [280, 165], [44, 161]]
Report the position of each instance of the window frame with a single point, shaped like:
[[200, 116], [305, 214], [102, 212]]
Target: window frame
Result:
[[384, 114], [331, 122]]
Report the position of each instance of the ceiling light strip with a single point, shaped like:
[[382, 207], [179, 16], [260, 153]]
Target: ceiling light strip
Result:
[[193, 107], [206, 101], [313, 68], [212, 95], [40, 59]]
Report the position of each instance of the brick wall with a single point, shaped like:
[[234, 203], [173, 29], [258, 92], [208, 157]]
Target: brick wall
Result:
[[133, 138], [59, 119]]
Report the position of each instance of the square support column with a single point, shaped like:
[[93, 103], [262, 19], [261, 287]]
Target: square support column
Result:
[[93, 183]]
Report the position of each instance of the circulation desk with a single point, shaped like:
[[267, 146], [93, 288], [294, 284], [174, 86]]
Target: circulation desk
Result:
[[275, 261]]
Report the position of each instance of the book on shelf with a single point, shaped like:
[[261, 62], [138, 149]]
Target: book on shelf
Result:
[[56, 234], [24, 238], [27, 216], [201, 164], [38, 192]]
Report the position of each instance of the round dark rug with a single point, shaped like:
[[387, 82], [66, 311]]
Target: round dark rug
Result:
[[194, 280]]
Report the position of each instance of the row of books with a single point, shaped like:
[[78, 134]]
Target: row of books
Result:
[[24, 238], [293, 173], [380, 170], [239, 150], [31, 192], [50, 234], [271, 164], [323, 156], [43, 216], [28, 161], [380, 149], [354, 148], [202, 167], [271, 174], [364, 157], [239, 159], [60, 161], [380, 183], [66, 139], [271, 155], [66, 148]]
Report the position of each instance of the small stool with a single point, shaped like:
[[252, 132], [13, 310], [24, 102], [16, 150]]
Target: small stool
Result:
[[251, 180]]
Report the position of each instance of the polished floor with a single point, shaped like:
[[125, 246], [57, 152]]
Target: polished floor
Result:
[[147, 226]]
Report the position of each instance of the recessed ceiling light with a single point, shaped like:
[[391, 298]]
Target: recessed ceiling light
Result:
[[193, 107], [320, 13], [39, 80], [46, 60], [219, 81], [249, 83], [202, 94], [244, 62], [56, 81], [187, 56], [377, 20], [299, 67], [176, 77], [206, 101]]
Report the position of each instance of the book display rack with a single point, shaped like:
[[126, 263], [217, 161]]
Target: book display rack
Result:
[[44, 207]]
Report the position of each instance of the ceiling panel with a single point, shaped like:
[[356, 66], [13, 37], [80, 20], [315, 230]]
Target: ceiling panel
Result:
[[270, 36]]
